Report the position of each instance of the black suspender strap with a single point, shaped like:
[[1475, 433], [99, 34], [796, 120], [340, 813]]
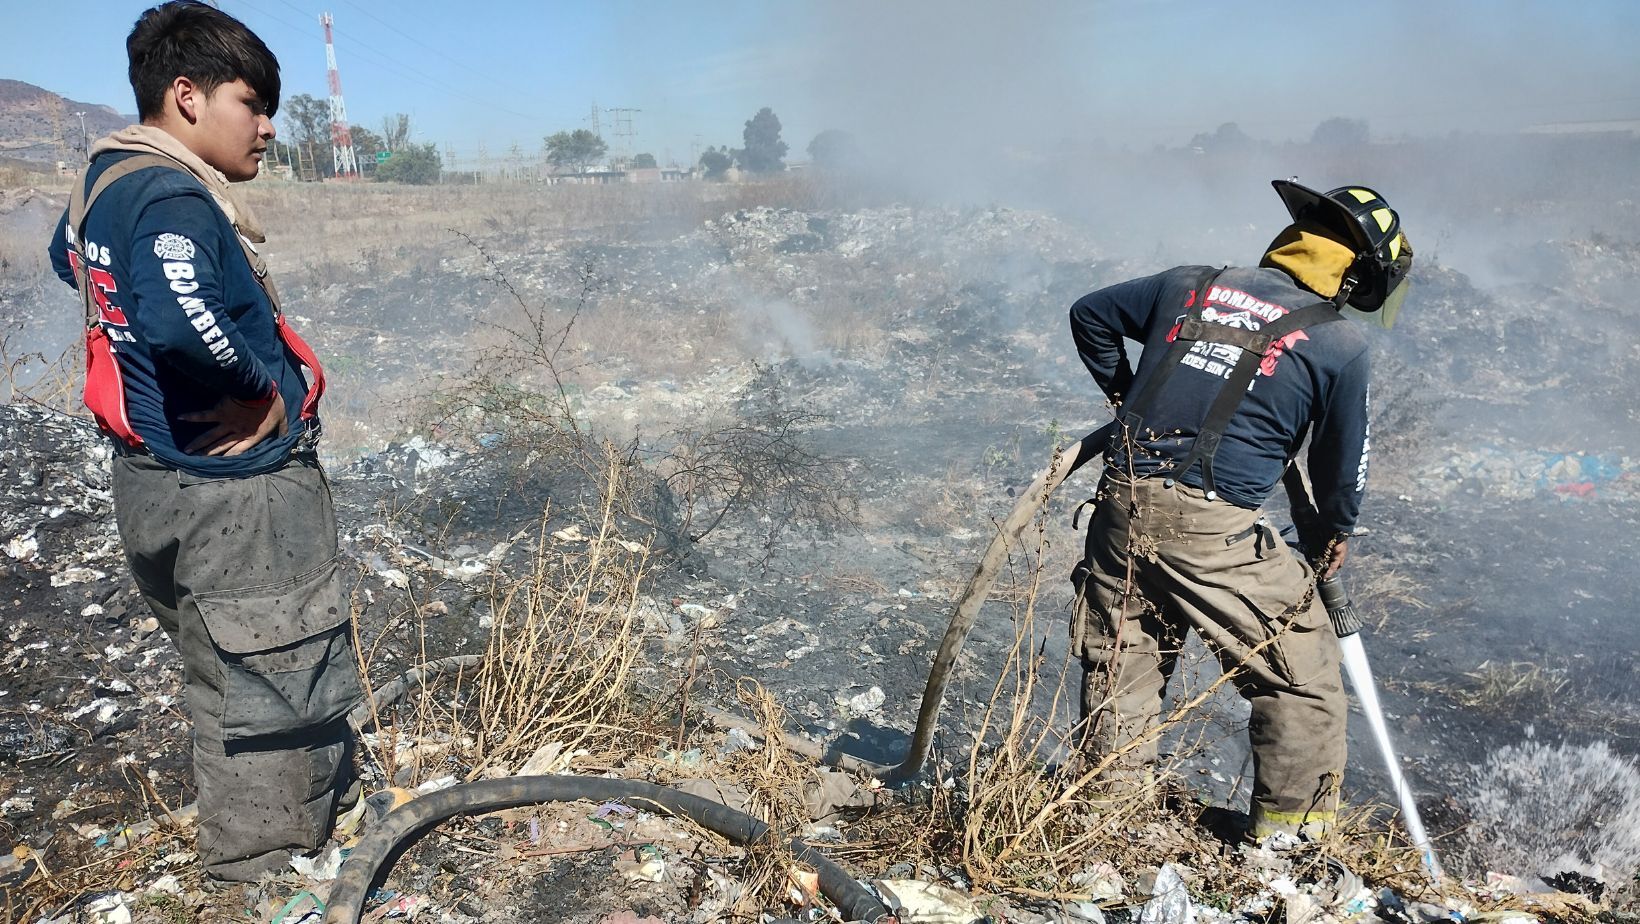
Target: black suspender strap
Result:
[[1254, 344], [1133, 412]]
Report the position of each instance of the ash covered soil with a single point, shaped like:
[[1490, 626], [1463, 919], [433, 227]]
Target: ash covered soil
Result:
[[926, 351]]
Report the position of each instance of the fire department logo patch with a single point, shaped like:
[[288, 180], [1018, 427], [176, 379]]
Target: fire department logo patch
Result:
[[173, 247]]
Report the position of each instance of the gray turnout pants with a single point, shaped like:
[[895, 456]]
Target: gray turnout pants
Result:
[[243, 575], [1210, 566]]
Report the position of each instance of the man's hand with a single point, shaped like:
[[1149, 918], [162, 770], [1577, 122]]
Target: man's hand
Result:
[[239, 425], [1336, 553]]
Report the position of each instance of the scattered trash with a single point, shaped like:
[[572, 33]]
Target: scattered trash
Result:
[[548, 759], [17, 805], [725, 793], [111, 908], [443, 782], [23, 548], [614, 808], [737, 740], [78, 576], [642, 864]]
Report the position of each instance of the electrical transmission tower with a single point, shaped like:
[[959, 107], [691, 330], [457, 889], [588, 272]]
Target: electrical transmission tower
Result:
[[621, 128], [341, 137]]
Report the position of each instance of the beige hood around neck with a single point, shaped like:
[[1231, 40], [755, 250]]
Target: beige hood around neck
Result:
[[146, 139], [1306, 253]]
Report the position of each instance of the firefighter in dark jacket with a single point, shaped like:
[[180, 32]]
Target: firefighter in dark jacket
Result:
[[210, 402], [1239, 367]]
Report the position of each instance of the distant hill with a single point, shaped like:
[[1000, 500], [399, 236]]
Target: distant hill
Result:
[[38, 125]]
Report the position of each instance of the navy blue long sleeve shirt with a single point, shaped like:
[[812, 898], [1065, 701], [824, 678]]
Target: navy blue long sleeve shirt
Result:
[[188, 320], [1312, 381]]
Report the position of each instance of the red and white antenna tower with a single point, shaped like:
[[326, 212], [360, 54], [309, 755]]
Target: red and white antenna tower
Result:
[[341, 137]]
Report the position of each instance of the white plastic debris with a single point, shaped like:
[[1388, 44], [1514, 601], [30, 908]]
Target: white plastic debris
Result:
[[927, 902], [1169, 902], [104, 708], [23, 548], [443, 782], [77, 576], [113, 908], [321, 868], [1100, 880], [869, 701], [393, 577], [167, 883]]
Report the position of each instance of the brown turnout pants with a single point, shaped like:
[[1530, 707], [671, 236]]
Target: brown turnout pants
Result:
[[242, 574], [1214, 567]]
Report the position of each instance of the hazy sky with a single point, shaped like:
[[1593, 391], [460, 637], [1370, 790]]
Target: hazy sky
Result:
[[1133, 73]]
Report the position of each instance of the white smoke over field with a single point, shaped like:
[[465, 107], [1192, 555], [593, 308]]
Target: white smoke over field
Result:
[[1540, 809]]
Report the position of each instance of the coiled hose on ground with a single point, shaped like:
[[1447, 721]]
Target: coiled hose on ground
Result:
[[347, 896]]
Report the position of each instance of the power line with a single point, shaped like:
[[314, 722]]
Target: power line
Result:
[[385, 60], [433, 48]]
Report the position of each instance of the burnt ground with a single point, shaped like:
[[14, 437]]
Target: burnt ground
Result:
[[1497, 567]]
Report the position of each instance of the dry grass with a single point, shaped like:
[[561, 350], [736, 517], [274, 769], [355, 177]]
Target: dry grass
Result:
[[559, 662], [557, 674], [1512, 686]]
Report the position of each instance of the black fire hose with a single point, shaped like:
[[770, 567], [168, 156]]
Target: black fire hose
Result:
[[966, 613], [359, 871]]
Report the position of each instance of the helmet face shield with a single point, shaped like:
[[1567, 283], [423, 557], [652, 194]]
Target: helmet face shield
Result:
[[1384, 315]]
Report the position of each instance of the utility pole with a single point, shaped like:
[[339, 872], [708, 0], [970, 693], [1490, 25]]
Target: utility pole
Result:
[[595, 121], [85, 149], [341, 137]]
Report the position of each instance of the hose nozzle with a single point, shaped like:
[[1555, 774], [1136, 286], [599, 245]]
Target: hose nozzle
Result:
[[1340, 610]]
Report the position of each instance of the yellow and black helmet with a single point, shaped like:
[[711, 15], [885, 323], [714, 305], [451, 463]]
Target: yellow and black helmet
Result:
[[1359, 218]]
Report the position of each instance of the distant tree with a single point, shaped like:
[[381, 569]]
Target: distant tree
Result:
[[576, 150], [307, 126], [832, 148], [1339, 132], [395, 131], [643, 161], [365, 145], [764, 151], [715, 163], [416, 164], [1228, 136]]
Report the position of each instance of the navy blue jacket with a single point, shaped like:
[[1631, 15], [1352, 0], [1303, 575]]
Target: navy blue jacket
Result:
[[1313, 380], [197, 325]]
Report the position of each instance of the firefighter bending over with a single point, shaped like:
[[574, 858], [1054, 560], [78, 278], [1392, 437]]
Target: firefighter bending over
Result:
[[1239, 366]]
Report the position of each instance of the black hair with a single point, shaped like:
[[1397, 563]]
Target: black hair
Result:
[[187, 38]]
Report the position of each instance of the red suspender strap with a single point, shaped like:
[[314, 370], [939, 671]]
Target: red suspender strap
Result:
[[104, 393], [304, 354], [287, 335]]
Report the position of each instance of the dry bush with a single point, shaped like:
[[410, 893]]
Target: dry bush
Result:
[[565, 638], [517, 386], [558, 662], [32, 376], [761, 463]]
